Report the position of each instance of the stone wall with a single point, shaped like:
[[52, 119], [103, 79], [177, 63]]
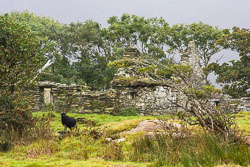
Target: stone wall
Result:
[[150, 100], [71, 97], [35, 97]]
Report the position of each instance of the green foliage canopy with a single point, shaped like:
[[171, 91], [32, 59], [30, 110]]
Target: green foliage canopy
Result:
[[81, 51], [20, 54], [148, 35], [235, 75], [204, 36]]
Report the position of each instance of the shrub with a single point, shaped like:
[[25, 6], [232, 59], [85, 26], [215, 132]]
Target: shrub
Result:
[[129, 111], [21, 53], [18, 126], [15, 119]]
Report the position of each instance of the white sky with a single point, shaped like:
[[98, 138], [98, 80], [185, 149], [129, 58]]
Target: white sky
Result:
[[221, 13]]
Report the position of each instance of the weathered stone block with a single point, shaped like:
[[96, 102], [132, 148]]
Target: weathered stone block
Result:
[[109, 110], [97, 110]]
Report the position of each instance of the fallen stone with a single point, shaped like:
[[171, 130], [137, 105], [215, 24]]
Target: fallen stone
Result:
[[120, 140], [108, 139]]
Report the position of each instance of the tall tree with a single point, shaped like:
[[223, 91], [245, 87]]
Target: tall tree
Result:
[[46, 28], [83, 43], [51, 34], [20, 54], [148, 35], [235, 75]]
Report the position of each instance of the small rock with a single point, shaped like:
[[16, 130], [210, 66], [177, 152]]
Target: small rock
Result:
[[120, 140], [108, 139]]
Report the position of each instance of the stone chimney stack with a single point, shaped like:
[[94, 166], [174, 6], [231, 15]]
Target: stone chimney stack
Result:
[[192, 57], [132, 52]]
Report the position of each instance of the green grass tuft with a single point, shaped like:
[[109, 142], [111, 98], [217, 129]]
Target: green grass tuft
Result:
[[199, 150]]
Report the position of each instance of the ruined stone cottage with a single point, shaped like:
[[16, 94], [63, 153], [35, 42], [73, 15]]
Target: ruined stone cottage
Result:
[[130, 88], [138, 89], [147, 94]]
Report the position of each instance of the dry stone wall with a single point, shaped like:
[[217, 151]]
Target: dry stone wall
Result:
[[151, 100], [139, 89], [71, 97], [35, 97]]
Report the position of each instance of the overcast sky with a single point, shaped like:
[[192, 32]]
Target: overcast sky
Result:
[[221, 13]]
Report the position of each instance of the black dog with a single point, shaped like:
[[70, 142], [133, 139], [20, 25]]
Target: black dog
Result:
[[67, 121]]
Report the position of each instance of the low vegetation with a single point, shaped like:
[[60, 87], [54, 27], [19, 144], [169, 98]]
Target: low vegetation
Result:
[[199, 150], [87, 146]]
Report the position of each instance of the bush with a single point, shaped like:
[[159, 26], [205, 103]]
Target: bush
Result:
[[21, 53], [129, 111], [15, 119], [18, 126]]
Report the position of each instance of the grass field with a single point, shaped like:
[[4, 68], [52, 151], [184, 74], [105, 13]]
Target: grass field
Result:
[[243, 120], [83, 150]]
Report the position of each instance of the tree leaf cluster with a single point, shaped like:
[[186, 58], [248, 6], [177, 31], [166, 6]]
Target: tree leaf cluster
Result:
[[235, 75], [20, 54]]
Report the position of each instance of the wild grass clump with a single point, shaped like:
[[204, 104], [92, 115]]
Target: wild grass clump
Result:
[[42, 147], [124, 125], [198, 150], [113, 152]]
